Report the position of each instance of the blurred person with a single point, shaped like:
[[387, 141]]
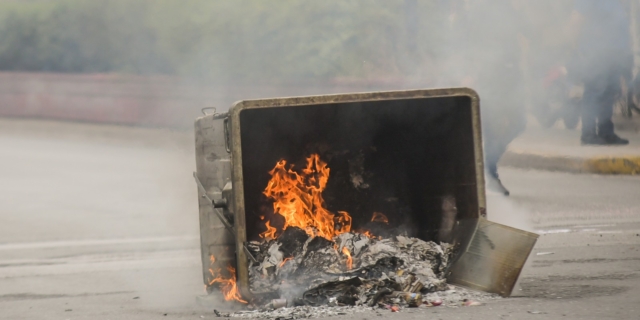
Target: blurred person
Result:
[[553, 95], [603, 59], [488, 48]]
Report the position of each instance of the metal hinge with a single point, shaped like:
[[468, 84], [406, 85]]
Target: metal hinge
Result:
[[222, 203], [227, 137]]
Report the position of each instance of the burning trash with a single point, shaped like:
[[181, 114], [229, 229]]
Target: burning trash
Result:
[[297, 197], [315, 259], [387, 211], [378, 269]]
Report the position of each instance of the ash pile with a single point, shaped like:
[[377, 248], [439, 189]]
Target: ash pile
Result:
[[352, 269]]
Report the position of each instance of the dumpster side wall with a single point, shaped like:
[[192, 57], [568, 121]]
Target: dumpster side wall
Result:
[[213, 167]]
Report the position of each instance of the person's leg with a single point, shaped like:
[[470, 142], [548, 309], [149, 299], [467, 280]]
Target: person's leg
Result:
[[501, 128], [494, 149], [605, 107], [503, 119], [612, 91], [590, 108]]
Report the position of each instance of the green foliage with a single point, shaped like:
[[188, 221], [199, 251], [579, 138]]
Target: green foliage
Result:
[[218, 39]]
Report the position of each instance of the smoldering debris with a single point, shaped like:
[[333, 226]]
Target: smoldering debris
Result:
[[298, 276], [453, 297], [300, 312], [353, 269]]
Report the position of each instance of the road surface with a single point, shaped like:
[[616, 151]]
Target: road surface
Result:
[[100, 222]]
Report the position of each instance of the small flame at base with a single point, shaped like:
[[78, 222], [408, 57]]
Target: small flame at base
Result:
[[228, 286], [346, 252]]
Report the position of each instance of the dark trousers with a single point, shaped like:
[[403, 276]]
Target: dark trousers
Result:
[[600, 94], [502, 112], [503, 121], [601, 78]]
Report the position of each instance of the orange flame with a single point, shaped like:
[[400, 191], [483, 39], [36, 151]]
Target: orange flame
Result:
[[284, 261], [270, 233], [379, 217], [212, 259], [368, 234], [298, 198], [346, 252], [227, 285]]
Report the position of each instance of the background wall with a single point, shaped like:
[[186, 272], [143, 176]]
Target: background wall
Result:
[[163, 101]]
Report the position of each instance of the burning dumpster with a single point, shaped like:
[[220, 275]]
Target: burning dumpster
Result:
[[348, 199]]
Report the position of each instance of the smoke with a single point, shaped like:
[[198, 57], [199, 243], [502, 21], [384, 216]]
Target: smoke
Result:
[[223, 51], [228, 51], [507, 211]]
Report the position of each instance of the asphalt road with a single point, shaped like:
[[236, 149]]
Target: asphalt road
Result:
[[100, 222]]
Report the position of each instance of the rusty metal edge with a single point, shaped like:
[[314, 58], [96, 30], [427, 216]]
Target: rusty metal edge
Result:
[[236, 149]]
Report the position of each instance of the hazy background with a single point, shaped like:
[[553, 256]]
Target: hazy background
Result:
[[224, 51], [90, 199], [247, 41], [219, 40], [157, 62]]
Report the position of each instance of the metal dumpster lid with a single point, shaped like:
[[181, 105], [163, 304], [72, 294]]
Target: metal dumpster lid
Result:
[[492, 258]]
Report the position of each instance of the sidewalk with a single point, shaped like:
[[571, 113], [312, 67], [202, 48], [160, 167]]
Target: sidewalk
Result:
[[560, 150]]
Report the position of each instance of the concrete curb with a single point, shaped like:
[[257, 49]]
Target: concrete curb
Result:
[[625, 165]]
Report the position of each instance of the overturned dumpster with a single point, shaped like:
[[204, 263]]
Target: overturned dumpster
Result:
[[349, 199]]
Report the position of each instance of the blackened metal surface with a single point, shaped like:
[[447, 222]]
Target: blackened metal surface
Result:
[[414, 150]]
